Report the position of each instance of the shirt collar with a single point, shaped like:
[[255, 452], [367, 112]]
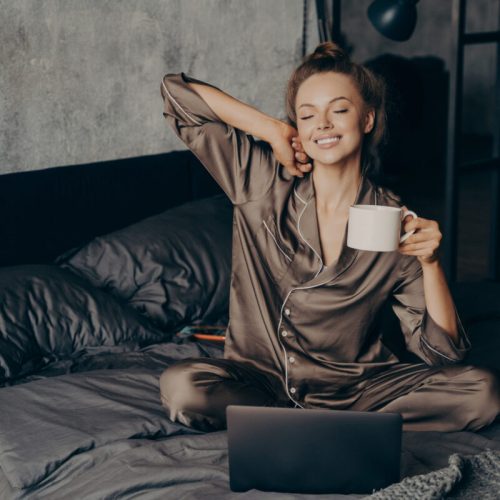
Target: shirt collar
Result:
[[309, 229]]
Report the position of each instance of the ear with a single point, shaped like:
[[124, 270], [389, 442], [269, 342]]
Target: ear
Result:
[[369, 121]]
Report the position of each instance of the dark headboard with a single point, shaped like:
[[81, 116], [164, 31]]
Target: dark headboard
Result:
[[46, 212]]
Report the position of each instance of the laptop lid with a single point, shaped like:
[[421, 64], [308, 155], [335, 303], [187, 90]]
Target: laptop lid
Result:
[[297, 450]]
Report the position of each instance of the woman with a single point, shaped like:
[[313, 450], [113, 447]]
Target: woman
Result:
[[302, 329]]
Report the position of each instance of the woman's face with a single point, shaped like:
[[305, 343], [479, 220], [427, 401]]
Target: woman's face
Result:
[[331, 118]]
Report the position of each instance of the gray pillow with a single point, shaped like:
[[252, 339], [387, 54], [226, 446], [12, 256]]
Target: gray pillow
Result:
[[48, 313], [174, 267]]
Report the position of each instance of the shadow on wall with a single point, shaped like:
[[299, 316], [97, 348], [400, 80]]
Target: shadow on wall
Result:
[[413, 159]]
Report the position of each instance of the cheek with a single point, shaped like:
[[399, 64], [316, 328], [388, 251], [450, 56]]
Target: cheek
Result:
[[306, 128], [309, 149], [304, 134], [302, 130]]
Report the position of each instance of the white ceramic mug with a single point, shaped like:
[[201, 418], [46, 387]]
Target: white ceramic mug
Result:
[[376, 227]]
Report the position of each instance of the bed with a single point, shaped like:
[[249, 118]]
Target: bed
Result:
[[106, 271]]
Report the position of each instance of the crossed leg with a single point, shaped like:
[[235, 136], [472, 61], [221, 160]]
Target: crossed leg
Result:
[[446, 399], [196, 391]]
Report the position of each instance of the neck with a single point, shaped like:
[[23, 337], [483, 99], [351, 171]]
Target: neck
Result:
[[336, 186]]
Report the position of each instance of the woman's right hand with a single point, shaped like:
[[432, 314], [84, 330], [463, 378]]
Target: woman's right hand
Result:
[[288, 150]]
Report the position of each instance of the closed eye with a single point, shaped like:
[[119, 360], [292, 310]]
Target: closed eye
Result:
[[339, 111]]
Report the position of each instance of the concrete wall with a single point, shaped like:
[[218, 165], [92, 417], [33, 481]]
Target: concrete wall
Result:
[[79, 79]]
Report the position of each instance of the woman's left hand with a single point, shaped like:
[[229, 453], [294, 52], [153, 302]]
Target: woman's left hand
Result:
[[424, 242]]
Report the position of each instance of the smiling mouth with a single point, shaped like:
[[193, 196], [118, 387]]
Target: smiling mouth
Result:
[[328, 140]]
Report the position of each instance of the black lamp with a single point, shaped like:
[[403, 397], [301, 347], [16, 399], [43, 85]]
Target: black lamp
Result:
[[395, 19]]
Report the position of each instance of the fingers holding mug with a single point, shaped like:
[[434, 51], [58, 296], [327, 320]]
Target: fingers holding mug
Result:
[[405, 213], [425, 244]]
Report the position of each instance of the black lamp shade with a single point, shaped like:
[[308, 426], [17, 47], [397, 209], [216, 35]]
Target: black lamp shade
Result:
[[395, 19]]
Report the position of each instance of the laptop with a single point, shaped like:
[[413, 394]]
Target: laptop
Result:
[[296, 450]]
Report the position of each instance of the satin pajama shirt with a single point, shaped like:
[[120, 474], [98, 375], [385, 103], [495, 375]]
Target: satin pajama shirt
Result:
[[301, 334]]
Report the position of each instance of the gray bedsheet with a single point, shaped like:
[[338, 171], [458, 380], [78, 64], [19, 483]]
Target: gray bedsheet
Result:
[[93, 427]]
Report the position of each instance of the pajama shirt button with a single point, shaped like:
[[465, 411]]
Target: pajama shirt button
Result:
[[291, 359], [293, 390], [284, 333], [287, 311]]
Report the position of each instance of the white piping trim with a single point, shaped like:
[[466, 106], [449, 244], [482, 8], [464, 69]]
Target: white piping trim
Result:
[[304, 287], [307, 243], [437, 352], [272, 236], [179, 106], [461, 330], [284, 351], [297, 194], [281, 321]]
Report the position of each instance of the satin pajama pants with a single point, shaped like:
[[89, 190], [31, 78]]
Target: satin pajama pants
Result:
[[196, 392]]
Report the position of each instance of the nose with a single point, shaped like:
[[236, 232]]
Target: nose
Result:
[[324, 122]]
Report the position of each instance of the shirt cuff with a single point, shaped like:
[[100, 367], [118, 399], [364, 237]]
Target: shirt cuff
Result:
[[437, 343], [184, 103]]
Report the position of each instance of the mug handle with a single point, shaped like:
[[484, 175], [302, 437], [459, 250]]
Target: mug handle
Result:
[[409, 233]]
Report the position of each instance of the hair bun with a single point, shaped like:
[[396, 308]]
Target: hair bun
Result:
[[330, 50]]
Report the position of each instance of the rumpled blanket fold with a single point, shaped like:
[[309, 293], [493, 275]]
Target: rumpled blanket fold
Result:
[[466, 477]]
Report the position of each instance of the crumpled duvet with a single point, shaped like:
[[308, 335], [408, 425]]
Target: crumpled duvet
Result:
[[93, 427]]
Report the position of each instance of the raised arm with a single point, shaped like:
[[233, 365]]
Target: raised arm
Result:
[[238, 114], [252, 121], [218, 128]]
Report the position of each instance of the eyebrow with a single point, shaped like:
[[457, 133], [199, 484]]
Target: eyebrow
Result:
[[329, 102]]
